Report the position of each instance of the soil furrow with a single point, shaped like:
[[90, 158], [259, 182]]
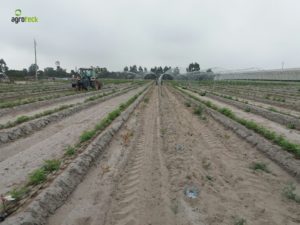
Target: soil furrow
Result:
[[218, 164], [170, 166], [24, 155], [292, 135]]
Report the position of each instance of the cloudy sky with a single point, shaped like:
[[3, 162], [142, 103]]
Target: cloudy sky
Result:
[[231, 34]]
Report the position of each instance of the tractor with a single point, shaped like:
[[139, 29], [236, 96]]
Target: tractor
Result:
[[86, 79]]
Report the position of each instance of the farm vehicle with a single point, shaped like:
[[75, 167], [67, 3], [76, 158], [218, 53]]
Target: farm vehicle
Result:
[[86, 79]]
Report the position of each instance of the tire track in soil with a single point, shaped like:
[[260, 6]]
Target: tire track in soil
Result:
[[217, 162], [132, 190], [139, 197], [21, 157]]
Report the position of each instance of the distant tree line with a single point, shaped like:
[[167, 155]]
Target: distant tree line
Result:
[[135, 69], [193, 67]]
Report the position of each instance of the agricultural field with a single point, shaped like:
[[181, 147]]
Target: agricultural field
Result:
[[133, 153]]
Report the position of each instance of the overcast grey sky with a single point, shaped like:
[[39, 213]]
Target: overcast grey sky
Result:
[[231, 34]]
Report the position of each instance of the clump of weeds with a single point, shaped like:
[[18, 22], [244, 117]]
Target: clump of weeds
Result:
[[126, 137], [51, 165], [198, 110], [87, 135], [247, 109], [70, 151], [163, 131], [19, 193], [291, 126], [289, 192], [239, 221], [188, 104], [38, 176], [259, 166]]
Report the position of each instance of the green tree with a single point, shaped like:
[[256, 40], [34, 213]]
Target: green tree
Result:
[[160, 70], [176, 71], [133, 69], [166, 68], [3, 66], [32, 68], [141, 69], [193, 67], [49, 72], [126, 69]]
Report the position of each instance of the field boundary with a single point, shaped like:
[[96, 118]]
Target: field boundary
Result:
[[27, 128], [283, 158], [58, 191]]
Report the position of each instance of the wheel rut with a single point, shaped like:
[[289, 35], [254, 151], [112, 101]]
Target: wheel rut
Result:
[[138, 198]]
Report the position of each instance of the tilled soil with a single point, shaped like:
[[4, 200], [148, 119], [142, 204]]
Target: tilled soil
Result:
[[19, 158], [293, 135], [268, 106], [39, 107], [163, 150]]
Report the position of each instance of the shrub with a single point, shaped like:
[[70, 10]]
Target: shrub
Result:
[[38, 176]]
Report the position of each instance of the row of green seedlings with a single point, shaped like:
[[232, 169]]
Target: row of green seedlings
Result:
[[288, 190], [268, 134], [274, 98], [268, 96], [248, 109], [23, 119], [272, 109], [40, 175], [32, 88], [11, 104]]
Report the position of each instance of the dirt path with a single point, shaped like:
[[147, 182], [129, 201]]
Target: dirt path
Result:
[[131, 190], [19, 158], [143, 181], [292, 135]]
